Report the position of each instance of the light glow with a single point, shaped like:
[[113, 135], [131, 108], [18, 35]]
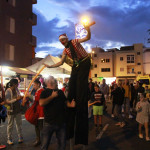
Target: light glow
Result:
[[85, 21]]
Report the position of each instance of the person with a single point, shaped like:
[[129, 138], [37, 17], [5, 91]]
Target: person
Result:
[[54, 103], [91, 87], [39, 109], [126, 104], [104, 88], [12, 98], [114, 95], [90, 91], [2, 102], [78, 86], [143, 112], [118, 96], [140, 90], [98, 98]]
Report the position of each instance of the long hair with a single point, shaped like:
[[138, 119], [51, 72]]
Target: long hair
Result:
[[11, 83]]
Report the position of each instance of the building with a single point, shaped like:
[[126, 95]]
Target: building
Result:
[[124, 63], [102, 63], [16, 40], [129, 62], [146, 61]]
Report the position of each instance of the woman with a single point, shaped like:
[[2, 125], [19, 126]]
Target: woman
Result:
[[13, 98]]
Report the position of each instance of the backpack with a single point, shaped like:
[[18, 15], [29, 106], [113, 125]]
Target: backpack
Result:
[[31, 114]]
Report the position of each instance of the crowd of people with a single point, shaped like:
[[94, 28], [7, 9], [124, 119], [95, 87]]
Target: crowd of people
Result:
[[52, 106], [127, 99]]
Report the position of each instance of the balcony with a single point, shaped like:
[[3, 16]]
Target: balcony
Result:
[[33, 41], [34, 1], [131, 74], [33, 19]]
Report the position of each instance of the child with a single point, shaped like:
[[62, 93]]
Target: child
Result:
[[143, 111], [98, 98]]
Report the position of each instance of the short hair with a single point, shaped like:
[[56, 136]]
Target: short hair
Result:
[[96, 85], [50, 79]]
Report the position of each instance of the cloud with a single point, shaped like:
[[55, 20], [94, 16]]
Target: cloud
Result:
[[118, 23]]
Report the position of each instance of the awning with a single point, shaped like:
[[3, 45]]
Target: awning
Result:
[[62, 70]]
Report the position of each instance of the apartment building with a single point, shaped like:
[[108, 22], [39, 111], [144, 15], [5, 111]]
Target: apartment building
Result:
[[124, 63], [146, 61], [102, 63], [129, 62], [17, 43]]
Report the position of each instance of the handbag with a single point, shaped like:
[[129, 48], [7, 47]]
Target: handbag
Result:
[[31, 114]]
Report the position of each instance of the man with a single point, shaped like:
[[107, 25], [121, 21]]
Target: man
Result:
[[127, 97], [78, 85], [53, 101], [104, 88]]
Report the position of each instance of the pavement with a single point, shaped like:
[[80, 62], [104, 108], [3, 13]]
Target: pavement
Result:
[[109, 137]]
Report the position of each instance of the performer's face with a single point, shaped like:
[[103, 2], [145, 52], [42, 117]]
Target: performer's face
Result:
[[64, 41]]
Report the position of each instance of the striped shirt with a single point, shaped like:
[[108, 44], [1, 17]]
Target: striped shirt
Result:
[[80, 51]]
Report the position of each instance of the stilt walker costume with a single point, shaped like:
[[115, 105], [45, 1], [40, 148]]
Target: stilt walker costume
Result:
[[78, 87]]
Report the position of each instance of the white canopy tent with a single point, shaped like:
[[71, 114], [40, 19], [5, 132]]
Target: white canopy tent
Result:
[[61, 71]]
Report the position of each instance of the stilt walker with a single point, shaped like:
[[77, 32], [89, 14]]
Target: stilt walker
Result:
[[78, 86]]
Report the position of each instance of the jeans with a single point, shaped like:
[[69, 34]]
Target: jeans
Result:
[[127, 105], [47, 132], [113, 107], [118, 113], [18, 121]]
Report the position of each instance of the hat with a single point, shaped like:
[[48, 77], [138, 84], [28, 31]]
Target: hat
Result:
[[63, 36]]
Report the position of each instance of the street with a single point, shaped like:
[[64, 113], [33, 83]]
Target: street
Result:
[[110, 137]]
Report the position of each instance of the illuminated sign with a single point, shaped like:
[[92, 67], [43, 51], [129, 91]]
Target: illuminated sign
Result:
[[80, 32]]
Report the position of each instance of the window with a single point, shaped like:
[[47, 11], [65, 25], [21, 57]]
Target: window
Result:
[[95, 75], [102, 60], [9, 52], [95, 66], [139, 72], [121, 69], [132, 70], [95, 55], [121, 58], [138, 53], [107, 60], [12, 25], [105, 69], [130, 58], [138, 63], [144, 81]]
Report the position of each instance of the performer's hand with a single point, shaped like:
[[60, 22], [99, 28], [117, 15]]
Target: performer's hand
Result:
[[71, 104], [46, 65]]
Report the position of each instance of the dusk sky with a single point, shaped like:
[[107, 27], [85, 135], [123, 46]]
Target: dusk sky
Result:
[[118, 23]]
